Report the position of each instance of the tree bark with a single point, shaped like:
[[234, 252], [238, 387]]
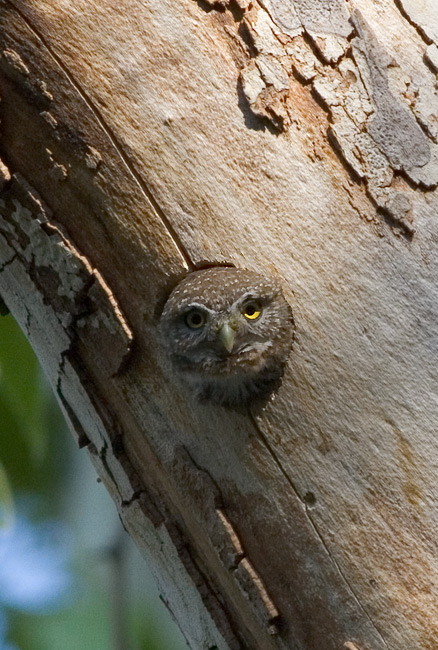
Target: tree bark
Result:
[[141, 140]]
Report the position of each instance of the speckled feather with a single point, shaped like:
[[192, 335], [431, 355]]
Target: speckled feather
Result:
[[252, 370]]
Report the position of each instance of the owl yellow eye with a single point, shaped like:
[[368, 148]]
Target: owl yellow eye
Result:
[[252, 309], [195, 319]]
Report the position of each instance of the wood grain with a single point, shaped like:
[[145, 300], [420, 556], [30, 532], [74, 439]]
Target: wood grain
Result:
[[145, 139]]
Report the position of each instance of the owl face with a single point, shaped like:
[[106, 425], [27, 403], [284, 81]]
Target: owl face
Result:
[[228, 332]]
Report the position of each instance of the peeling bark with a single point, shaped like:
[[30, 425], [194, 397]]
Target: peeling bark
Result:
[[140, 141]]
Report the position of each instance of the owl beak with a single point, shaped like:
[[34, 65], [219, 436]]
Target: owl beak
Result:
[[227, 336]]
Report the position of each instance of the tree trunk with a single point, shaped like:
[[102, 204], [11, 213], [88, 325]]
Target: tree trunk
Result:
[[146, 138]]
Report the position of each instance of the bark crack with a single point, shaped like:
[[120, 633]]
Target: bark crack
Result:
[[427, 39], [206, 495], [8, 262], [113, 138], [346, 68], [207, 590], [316, 530]]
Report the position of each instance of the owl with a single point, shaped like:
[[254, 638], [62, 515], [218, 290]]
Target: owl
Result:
[[228, 333]]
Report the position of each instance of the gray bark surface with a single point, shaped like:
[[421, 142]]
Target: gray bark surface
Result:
[[141, 140]]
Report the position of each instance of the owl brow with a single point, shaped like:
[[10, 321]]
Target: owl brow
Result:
[[186, 309], [251, 296]]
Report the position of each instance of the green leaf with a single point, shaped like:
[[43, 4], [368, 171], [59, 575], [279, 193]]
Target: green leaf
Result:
[[7, 510], [30, 419]]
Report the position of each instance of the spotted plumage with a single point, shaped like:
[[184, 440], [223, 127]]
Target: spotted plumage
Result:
[[228, 333]]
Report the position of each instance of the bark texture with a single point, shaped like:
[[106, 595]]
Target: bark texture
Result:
[[142, 139]]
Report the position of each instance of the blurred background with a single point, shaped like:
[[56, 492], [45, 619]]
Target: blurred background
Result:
[[70, 577]]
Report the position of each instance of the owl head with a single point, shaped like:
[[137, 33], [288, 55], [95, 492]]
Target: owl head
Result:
[[228, 332]]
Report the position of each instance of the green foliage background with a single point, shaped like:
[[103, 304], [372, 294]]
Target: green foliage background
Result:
[[40, 463]]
